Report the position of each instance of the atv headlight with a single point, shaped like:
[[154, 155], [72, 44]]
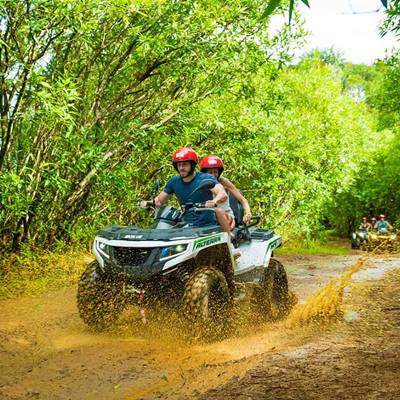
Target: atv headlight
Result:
[[104, 249], [172, 250], [392, 237], [373, 237]]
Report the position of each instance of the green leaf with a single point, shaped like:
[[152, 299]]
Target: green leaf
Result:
[[45, 84], [270, 8], [306, 3], [384, 3]]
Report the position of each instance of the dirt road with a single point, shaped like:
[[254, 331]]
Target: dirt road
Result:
[[46, 352]]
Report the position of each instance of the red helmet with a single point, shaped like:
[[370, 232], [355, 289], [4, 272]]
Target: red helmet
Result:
[[211, 162], [184, 154]]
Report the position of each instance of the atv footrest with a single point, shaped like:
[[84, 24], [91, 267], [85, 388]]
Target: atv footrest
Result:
[[261, 234]]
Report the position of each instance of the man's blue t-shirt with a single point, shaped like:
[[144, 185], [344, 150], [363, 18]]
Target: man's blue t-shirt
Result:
[[382, 225], [183, 192]]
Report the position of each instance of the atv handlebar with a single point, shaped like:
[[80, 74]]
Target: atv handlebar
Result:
[[196, 207], [254, 220]]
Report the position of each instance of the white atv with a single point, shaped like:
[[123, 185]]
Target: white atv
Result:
[[196, 271]]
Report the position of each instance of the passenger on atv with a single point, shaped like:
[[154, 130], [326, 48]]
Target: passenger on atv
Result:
[[214, 165], [373, 224], [183, 186]]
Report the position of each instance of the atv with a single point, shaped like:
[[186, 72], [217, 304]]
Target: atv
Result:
[[359, 239], [200, 272], [381, 241]]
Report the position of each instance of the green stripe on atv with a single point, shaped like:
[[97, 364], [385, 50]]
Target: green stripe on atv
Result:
[[273, 245], [207, 241]]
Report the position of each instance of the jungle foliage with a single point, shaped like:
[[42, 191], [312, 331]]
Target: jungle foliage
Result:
[[95, 96], [376, 188], [87, 88]]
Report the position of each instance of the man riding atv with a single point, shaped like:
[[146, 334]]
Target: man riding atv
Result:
[[383, 226], [360, 237], [184, 161], [365, 225], [186, 262], [380, 238]]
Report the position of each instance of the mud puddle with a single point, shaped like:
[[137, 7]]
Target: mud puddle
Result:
[[47, 352], [349, 359]]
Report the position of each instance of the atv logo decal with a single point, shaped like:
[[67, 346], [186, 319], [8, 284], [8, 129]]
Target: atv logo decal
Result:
[[204, 242], [133, 236]]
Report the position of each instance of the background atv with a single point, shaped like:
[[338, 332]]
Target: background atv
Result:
[[379, 242], [196, 272], [359, 239]]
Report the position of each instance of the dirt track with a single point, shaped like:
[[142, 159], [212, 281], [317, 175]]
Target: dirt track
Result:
[[46, 352]]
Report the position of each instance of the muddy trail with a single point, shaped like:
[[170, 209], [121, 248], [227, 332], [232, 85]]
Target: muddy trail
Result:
[[46, 352]]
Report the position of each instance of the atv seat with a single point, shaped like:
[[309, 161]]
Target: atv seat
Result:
[[237, 209], [240, 233]]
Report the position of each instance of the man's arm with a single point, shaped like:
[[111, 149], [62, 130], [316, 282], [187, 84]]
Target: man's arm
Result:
[[219, 193], [161, 199]]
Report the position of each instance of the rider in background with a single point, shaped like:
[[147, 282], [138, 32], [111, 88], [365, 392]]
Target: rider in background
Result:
[[382, 225], [373, 224], [214, 165], [365, 225], [184, 161]]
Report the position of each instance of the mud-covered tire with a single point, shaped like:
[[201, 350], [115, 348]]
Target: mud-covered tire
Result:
[[276, 300], [392, 247], [207, 304], [100, 302]]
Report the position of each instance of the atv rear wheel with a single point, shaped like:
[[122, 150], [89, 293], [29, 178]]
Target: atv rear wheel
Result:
[[99, 302], [207, 304]]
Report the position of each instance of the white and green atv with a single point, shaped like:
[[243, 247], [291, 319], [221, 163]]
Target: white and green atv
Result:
[[196, 271]]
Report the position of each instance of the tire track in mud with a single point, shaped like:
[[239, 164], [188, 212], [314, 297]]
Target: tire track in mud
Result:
[[47, 352]]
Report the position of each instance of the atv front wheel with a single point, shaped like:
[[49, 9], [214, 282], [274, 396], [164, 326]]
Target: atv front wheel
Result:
[[100, 302], [207, 304]]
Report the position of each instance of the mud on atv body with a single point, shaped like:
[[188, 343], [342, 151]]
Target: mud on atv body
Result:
[[379, 242], [195, 271]]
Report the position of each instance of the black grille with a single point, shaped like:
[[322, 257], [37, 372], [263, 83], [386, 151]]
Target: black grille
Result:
[[130, 255]]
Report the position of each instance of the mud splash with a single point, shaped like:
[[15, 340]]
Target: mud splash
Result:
[[154, 360], [326, 302], [205, 366]]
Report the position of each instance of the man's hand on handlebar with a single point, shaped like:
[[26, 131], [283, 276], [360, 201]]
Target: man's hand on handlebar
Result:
[[146, 204], [210, 204]]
